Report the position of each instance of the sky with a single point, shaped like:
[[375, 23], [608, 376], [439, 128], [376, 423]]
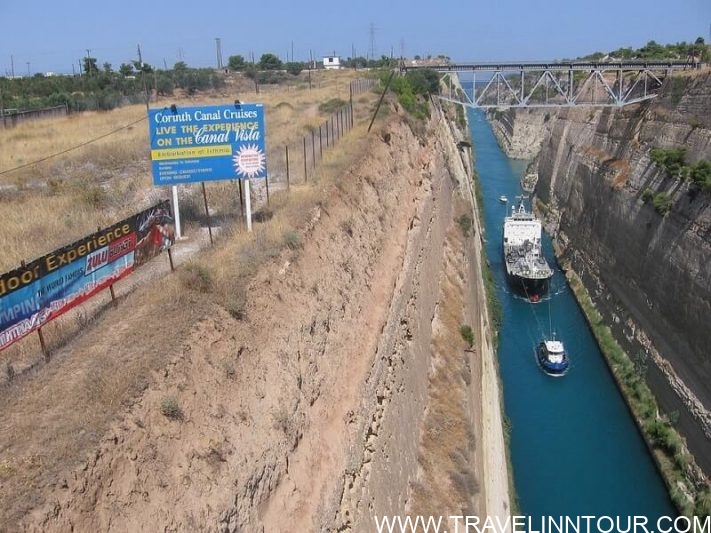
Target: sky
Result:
[[54, 35]]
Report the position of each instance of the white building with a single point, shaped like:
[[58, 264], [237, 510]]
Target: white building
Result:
[[331, 62]]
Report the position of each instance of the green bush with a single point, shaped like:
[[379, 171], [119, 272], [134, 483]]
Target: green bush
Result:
[[196, 277], [700, 174], [467, 334], [292, 239], [169, 408], [670, 159], [465, 224], [647, 195], [662, 203]]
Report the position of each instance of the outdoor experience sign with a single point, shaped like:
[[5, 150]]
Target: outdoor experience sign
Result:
[[37, 292], [192, 144]]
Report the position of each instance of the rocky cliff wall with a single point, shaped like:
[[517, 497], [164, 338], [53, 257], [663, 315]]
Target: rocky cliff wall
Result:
[[649, 274], [520, 132]]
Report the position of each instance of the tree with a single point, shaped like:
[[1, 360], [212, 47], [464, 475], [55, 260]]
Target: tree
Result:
[[424, 82], [180, 66], [236, 63], [90, 65], [107, 68], [126, 70], [270, 62], [294, 68], [142, 67]]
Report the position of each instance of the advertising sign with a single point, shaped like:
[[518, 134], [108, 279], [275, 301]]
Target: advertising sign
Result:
[[42, 290], [192, 144]]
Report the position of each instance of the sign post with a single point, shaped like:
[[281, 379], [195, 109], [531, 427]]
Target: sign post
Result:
[[248, 205], [198, 144], [176, 213]]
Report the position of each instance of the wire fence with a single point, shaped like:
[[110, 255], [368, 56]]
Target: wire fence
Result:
[[296, 162], [10, 118]]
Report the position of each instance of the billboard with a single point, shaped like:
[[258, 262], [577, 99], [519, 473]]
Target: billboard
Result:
[[192, 144], [42, 290]]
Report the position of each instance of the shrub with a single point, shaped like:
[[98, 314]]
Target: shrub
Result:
[[292, 239], [465, 224], [169, 408], [700, 174], [196, 277], [332, 105], [670, 159], [647, 195], [662, 203], [467, 334]]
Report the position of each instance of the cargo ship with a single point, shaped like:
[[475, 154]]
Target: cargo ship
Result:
[[527, 270]]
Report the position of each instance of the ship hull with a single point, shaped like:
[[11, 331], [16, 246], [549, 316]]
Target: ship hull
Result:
[[531, 288]]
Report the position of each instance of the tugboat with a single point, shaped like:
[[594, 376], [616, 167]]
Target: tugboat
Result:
[[503, 199], [552, 357]]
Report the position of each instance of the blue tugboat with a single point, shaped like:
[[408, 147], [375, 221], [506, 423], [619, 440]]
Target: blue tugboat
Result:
[[552, 357]]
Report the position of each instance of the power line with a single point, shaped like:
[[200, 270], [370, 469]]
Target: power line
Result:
[[2, 172]]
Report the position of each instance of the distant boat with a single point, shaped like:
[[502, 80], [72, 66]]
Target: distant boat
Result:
[[552, 357], [503, 199]]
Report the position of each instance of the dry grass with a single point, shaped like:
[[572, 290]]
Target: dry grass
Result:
[[103, 173]]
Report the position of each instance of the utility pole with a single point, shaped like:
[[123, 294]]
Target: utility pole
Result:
[[219, 52], [143, 76], [12, 65], [88, 63], [372, 41], [28, 69]]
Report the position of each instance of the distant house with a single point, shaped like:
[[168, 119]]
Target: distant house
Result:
[[331, 62]]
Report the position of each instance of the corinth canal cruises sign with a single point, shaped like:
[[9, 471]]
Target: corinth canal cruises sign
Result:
[[192, 144]]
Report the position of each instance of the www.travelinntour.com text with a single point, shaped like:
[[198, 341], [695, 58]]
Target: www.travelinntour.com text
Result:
[[543, 524]]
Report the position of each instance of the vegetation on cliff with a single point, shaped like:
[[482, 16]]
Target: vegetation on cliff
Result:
[[672, 161], [653, 50], [413, 90]]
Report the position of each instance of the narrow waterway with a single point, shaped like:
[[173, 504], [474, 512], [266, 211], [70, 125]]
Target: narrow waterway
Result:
[[574, 445]]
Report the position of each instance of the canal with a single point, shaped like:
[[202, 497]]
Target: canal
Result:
[[575, 448]]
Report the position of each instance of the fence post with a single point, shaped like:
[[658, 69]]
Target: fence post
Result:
[[320, 143], [313, 149], [305, 176], [287, 168], [42, 344], [207, 212], [267, 182]]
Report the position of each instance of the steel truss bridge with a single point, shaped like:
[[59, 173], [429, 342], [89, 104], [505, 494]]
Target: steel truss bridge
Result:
[[556, 84]]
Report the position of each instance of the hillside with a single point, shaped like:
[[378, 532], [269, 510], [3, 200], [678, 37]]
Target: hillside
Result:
[[306, 376]]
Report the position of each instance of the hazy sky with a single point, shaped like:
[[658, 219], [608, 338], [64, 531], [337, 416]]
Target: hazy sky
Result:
[[52, 36]]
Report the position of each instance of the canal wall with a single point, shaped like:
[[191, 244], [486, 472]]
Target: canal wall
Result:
[[648, 273]]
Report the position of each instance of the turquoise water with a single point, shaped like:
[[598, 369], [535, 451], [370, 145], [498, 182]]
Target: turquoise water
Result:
[[574, 446]]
